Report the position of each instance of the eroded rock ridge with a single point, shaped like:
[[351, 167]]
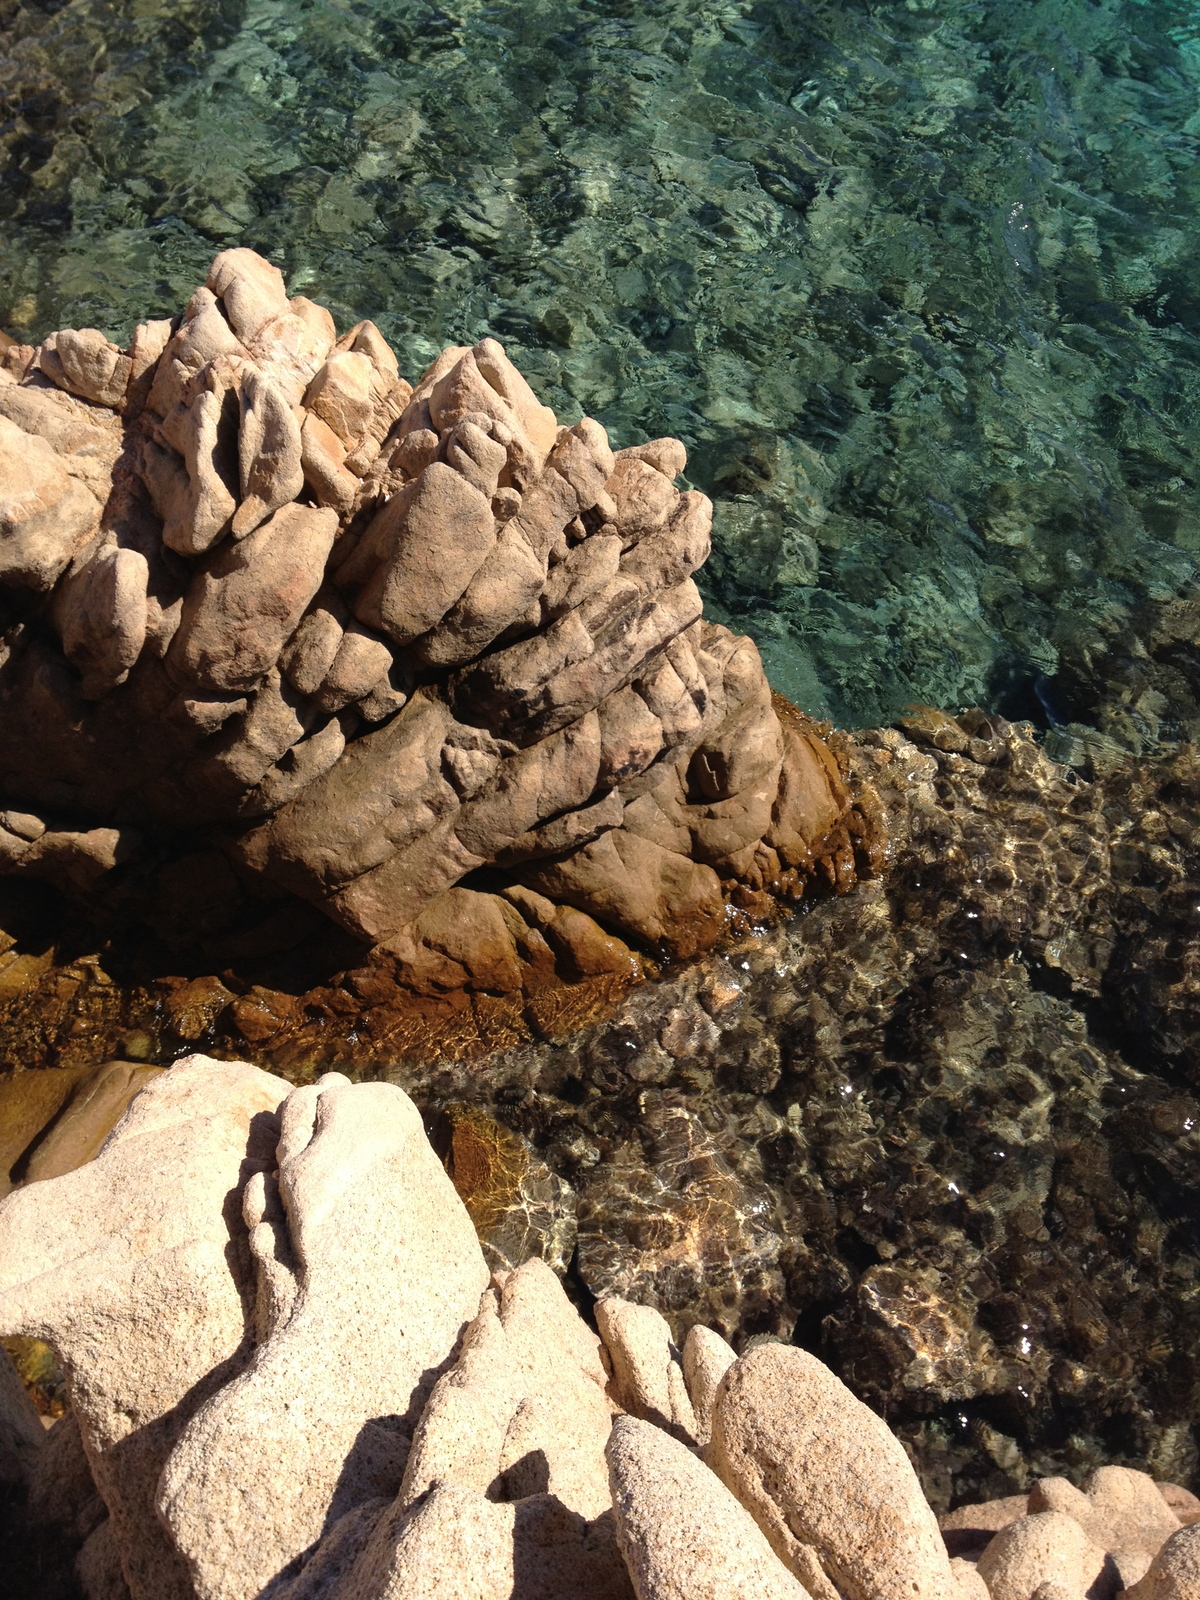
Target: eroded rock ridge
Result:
[[382, 638]]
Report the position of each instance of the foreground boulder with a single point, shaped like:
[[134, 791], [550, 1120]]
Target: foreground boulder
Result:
[[293, 1378], [353, 1165], [683, 1534], [1175, 1571], [383, 636]]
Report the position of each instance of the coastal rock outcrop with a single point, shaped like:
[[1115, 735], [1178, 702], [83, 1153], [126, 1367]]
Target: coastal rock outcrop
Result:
[[292, 1376], [383, 638]]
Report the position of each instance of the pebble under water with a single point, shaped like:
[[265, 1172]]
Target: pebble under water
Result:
[[916, 284]]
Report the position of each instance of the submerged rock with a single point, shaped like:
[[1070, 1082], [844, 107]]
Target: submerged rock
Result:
[[518, 1206]]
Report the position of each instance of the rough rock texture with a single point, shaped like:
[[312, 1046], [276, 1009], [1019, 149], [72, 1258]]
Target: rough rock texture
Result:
[[826, 1480], [379, 1419], [457, 1545], [462, 1430], [967, 1530], [706, 1359], [1182, 1502], [1122, 1512], [683, 1535], [1046, 1547], [647, 1375], [1175, 1571], [94, 1108], [357, 1190], [407, 633], [555, 1441], [969, 1584], [926, 1130], [134, 1269]]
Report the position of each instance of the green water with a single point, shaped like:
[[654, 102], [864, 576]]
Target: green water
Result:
[[915, 281]]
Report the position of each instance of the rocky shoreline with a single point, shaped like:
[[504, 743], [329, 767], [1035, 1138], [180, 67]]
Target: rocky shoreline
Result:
[[484, 1441], [351, 725], [1054, 963], [921, 1130]]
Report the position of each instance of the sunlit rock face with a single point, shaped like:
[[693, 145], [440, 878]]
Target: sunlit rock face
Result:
[[382, 638]]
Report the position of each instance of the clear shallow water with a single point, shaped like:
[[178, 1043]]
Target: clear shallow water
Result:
[[916, 282]]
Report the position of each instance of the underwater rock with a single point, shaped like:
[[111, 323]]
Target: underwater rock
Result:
[[93, 1110], [480, 651], [519, 1208], [669, 1222]]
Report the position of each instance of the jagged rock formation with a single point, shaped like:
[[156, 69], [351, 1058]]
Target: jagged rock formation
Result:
[[292, 1377], [382, 637]]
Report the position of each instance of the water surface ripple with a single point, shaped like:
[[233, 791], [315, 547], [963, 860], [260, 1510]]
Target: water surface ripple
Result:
[[914, 281]]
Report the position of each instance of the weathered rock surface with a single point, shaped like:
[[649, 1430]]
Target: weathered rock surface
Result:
[[458, 1544], [1175, 1571], [706, 1359], [291, 1377], [1045, 1547], [133, 1269], [967, 1530], [249, 573], [94, 1108], [683, 1535], [1182, 1502], [555, 1441], [826, 1480], [1122, 1512], [361, 1190], [647, 1375]]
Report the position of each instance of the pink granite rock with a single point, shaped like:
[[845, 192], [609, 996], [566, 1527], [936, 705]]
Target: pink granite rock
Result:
[[683, 1535], [134, 1270], [825, 1479]]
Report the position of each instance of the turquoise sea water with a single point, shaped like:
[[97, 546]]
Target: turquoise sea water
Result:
[[916, 281]]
